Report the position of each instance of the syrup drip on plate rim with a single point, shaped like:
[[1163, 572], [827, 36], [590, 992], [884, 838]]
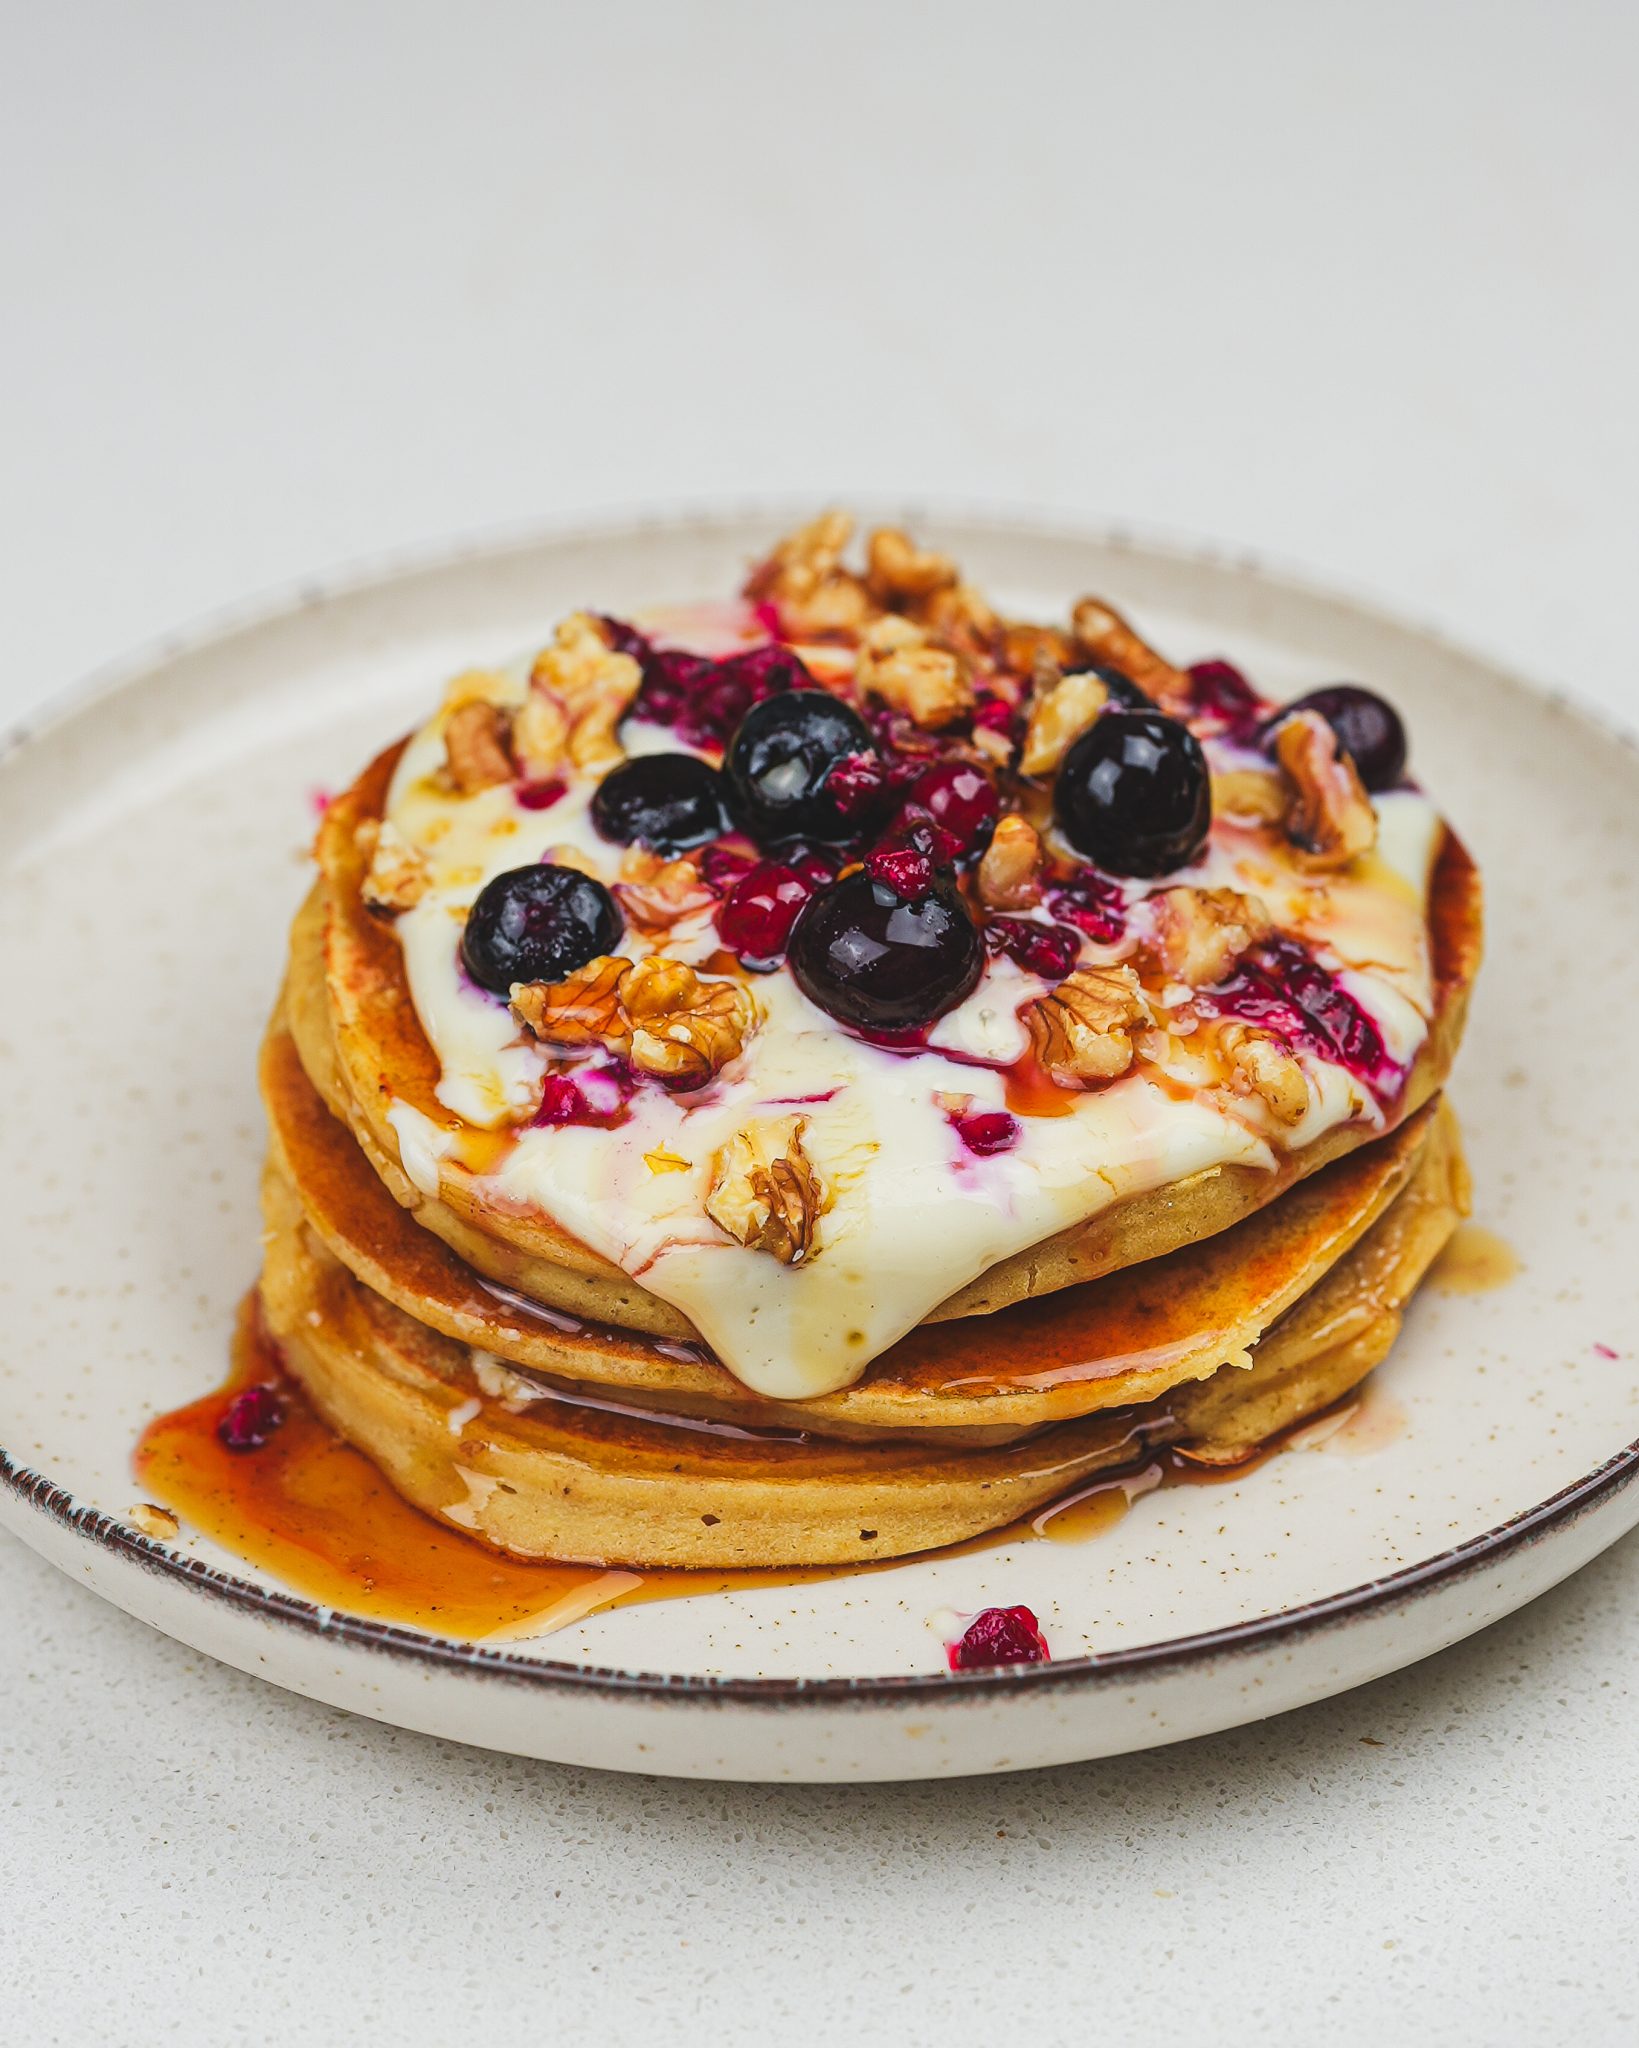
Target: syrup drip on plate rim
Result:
[[315, 1514]]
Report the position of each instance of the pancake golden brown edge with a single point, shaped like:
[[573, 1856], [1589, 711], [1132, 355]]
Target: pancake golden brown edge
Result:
[[1106, 1344], [540, 1472]]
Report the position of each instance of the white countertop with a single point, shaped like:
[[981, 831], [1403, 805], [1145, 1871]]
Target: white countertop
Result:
[[1355, 289]]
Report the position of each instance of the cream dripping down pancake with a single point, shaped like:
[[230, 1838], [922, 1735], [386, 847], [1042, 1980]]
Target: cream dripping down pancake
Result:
[[1175, 929]]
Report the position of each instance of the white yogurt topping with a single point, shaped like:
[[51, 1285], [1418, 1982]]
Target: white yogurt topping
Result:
[[913, 1216]]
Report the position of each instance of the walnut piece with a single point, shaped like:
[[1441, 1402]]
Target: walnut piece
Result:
[[397, 877], [803, 578], [656, 894], [1104, 635], [1036, 651], [582, 1010], [156, 1522], [592, 688], [1199, 934], [1329, 817], [685, 1028], [897, 570], [1263, 1065], [1010, 872], [477, 746], [1083, 1031], [540, 735], [960, 616], [900, 665], [668, 1021], [1256, 794], [764, 1190], [1059, 715]]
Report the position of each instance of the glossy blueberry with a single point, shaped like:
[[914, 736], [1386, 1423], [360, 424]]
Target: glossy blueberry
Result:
[[779, 758], [1134, 794], [538, 924], [870, 959], [1367, 728], [666, 802]]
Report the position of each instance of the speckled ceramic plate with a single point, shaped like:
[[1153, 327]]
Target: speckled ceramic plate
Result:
[[151, 837]]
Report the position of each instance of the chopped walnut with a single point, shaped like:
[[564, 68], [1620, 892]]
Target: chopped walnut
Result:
[[1010, 872], [1083, 1031], [592, 686], [1037, 651], [1253, 793], [995, 746], [1199, 934], [581, 1010], [1329, 817], [656, 894], [397, 877], [806, 583], [540, 735], [1059, 715], [684, 1027], [477, 749], [898, 570], [1263, 1065], [901, 666], [960, 616], [1105, 636], [664, 1018], [765, 1192]]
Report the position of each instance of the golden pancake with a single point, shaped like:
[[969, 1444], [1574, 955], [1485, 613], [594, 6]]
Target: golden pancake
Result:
[[1105, 1344], [375, 1054], [540, 1473]]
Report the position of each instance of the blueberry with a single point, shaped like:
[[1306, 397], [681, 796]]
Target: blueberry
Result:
[[779, 758], [666, 802], [1367, 728], [1134, 794], [537, 924], [871, 959]]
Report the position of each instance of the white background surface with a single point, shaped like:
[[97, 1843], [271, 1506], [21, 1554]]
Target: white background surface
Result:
[[1354, 287]]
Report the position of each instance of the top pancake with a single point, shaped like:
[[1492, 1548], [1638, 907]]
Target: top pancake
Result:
[[352, 1013], [979, 1068]]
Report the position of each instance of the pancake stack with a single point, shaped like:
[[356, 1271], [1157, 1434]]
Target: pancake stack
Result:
[[655, 1209]]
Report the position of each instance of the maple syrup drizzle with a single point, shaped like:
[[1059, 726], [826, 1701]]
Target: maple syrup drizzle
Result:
[[1476, 1261], [316, 1514]]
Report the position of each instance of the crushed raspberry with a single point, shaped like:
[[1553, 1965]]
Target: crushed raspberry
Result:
[[907, 871], [1000, 1635], [986, 1132], [962, 802], [700, 699], [1219, 690], [1282, 986], [540, 796], [755, 919], [856, 785], [1049, 950], [250, 1418], [995, 714], [594, 1095], [1092, 904], [722, 866]]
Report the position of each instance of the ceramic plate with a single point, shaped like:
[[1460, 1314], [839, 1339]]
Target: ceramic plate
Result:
[[151, 850]]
